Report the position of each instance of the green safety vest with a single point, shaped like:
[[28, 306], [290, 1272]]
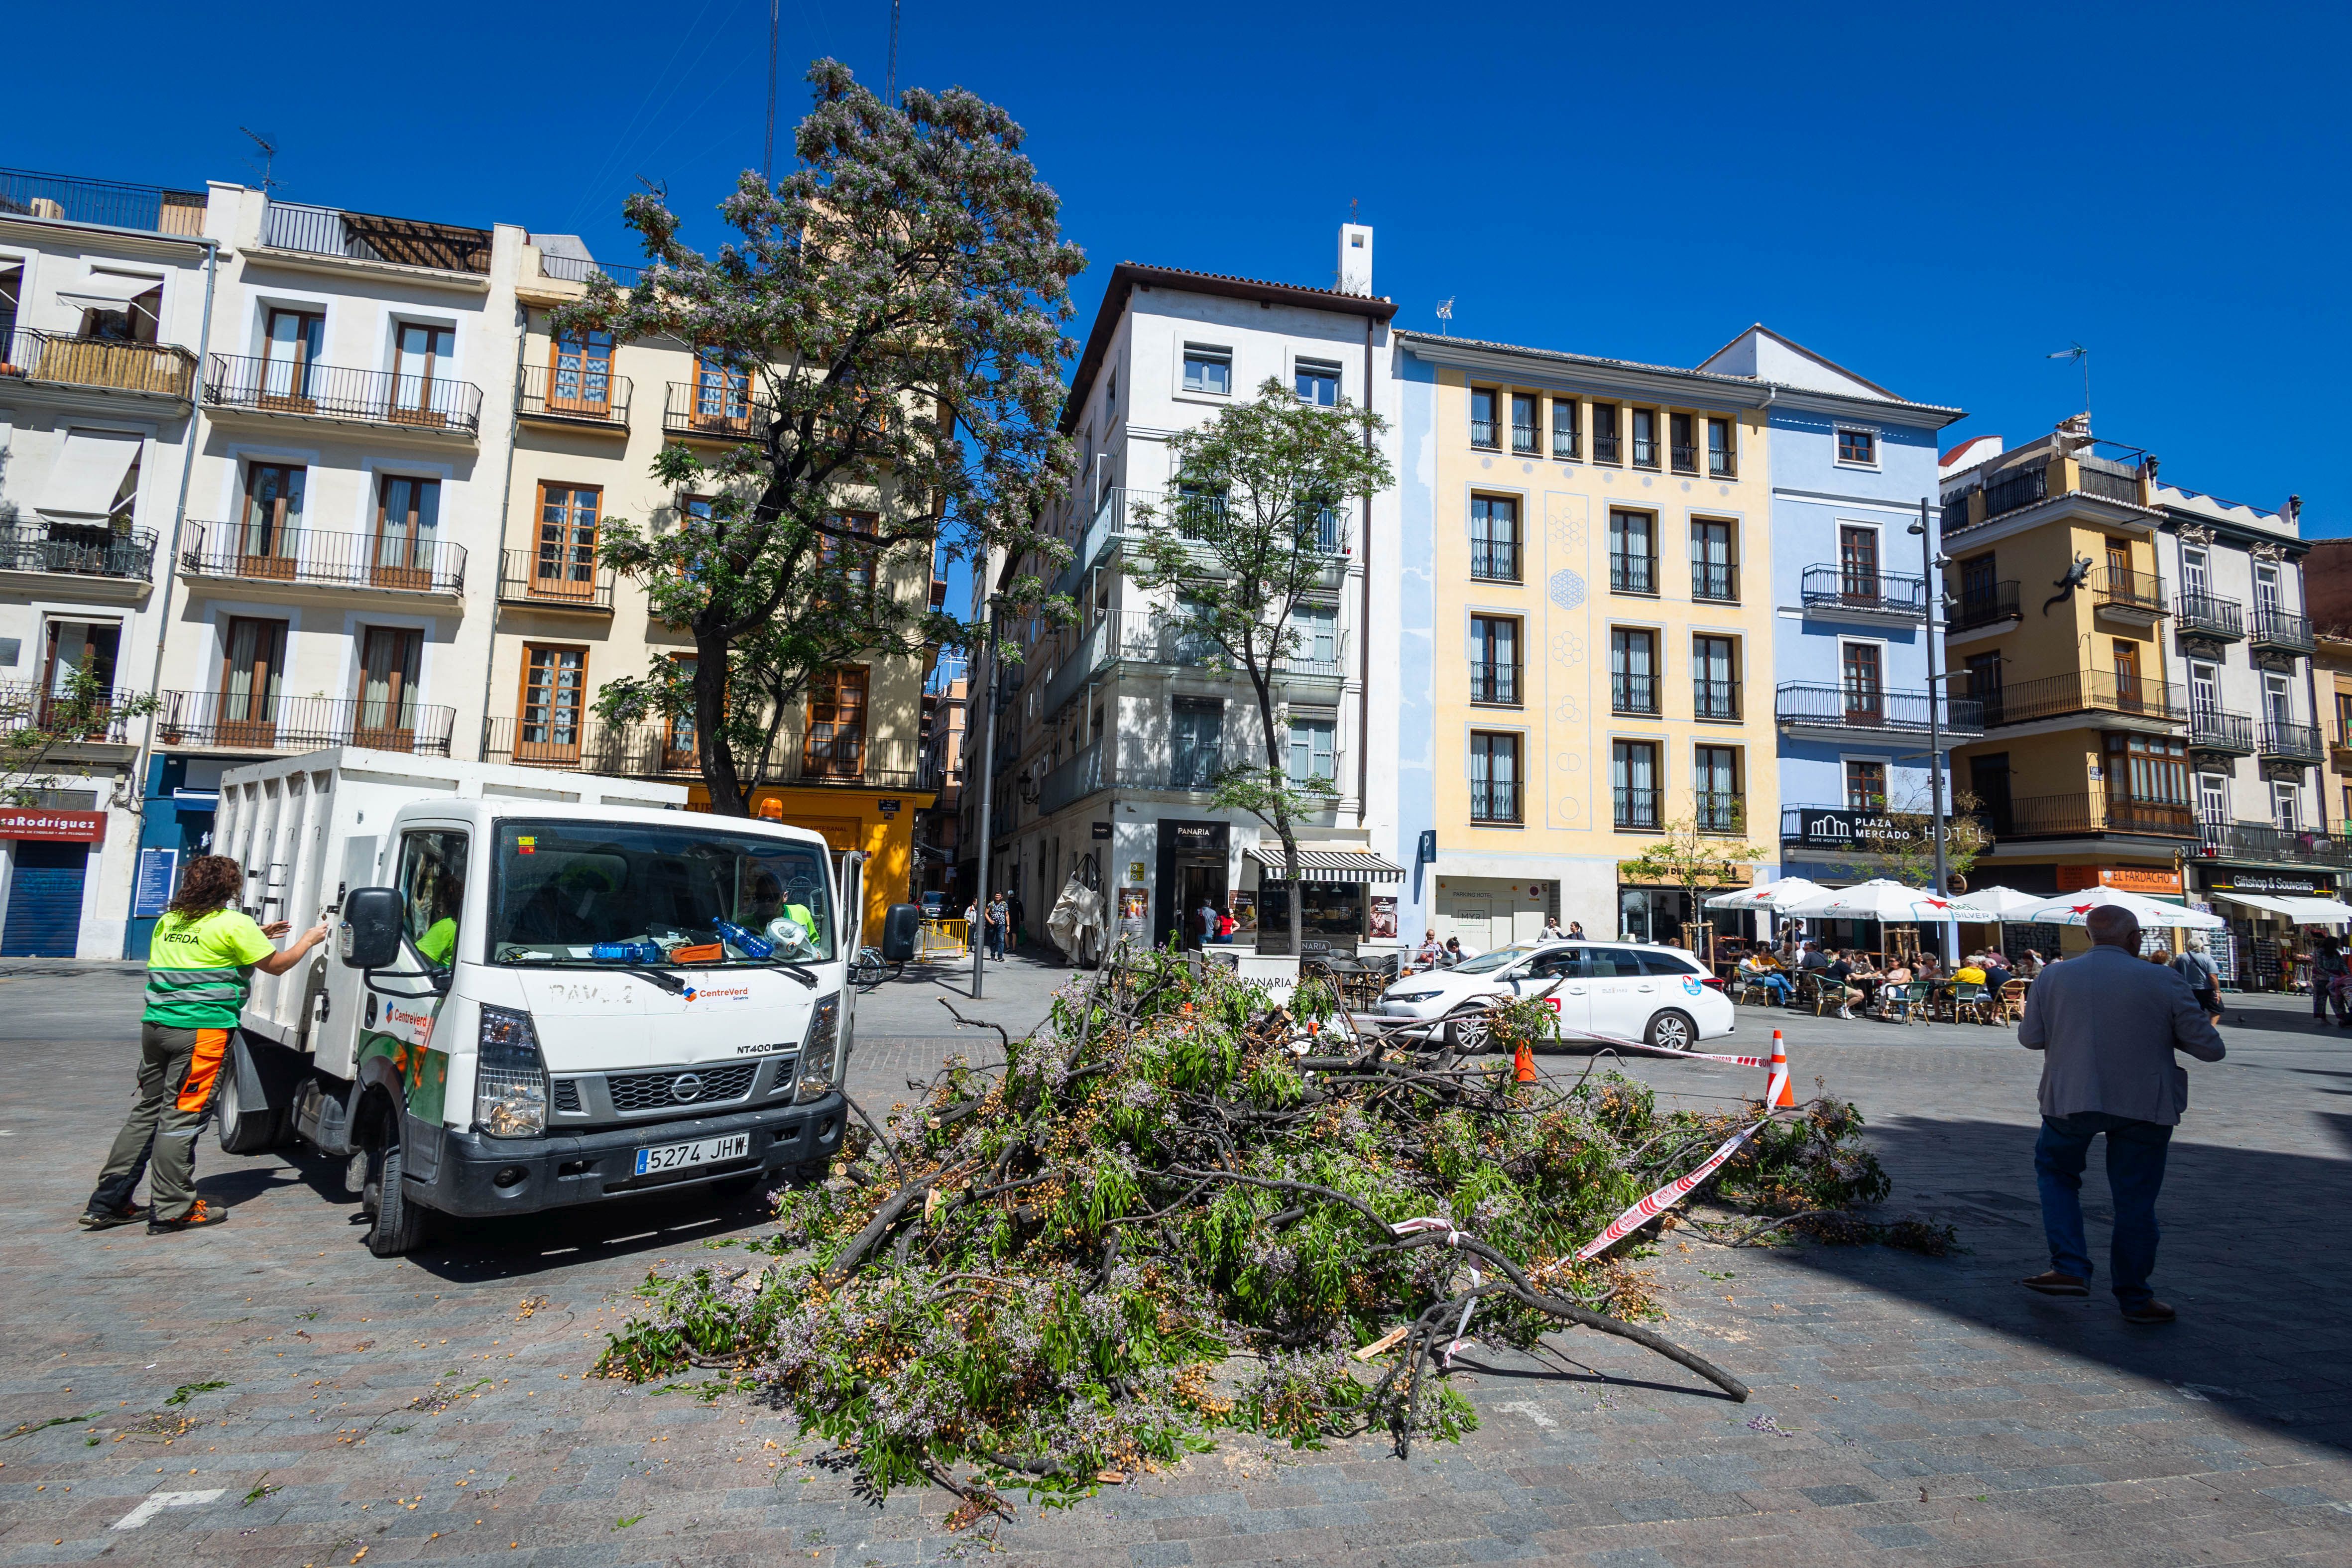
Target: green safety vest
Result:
[[198, 971]]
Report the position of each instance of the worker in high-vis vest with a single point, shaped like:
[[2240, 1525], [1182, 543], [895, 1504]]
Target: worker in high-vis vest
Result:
[[199, 967]]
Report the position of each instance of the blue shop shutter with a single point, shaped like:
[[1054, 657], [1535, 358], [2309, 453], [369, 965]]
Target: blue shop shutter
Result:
[[45, 901]]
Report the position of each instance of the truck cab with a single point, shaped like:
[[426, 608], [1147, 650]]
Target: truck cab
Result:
[[534, 1004]]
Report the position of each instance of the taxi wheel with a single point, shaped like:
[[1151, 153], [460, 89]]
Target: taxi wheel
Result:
[[1671, 1030]]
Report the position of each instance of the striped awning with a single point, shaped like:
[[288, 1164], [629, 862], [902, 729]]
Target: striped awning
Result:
[[1327, 865]]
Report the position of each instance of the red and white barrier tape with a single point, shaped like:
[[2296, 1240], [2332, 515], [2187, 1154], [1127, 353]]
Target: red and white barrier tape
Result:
[[1665, 1197], [1453, 1239]]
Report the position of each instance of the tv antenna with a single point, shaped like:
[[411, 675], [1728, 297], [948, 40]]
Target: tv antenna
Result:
[[268, 158], [1445, 314], [2081, 356], [890, 78]]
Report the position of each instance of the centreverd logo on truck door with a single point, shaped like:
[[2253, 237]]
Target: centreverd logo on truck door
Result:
[[418, 1025], [718, 994]]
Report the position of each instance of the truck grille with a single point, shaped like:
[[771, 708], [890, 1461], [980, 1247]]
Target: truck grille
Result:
[[669, 1090], [567, 1095]]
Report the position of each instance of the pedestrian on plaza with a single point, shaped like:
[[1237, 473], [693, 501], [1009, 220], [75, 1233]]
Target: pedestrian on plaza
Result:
[[1015, 919], [200, 962], [1551, 931], [1454, 951], [1576, 931], [999, 916], [2204, 977], [2327, 967], [2108, 1025], [1206, 917]]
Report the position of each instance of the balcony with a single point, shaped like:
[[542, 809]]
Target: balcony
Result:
[[1715, 581], [1634, 810], [526, 578], [349, 238], [1714, 699], [2279, 632], [307, 557], [2129, 701], [2017, 488], [1563, 440], [109, 203], [1495, 560], [1719, 811], [1633, 694], [1113, 524], [2134, 597], [581, 268], [1605, 447], [1819, 711], [424, 405], [2268, 844], [1719, 464], [1526, 440], [2208, 616], [1684, 459], [2087, 816], [61, 359], [577, 399], [24, 706], [653, 749], [1632, 574], [78, 550], [1988, 605], [240, 722], [1486, 435], [1846, 593], [1645, 451], [2216, 732], [2291, 744], [714, 412], [1495, 685], [1497, 800], [1088, 773]]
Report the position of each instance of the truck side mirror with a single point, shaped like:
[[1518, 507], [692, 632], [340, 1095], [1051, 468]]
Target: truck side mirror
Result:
[[368, 935], [901, 925]]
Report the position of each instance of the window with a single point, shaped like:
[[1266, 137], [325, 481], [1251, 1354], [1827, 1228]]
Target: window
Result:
[[1317, 382], [1318, 626], [1197, 736], [2129, 693], [407, 532], [722, 393], [1494, 659], [2266, 589], [1714, 677], [1527, 424], [127, 310], [854, 561], [1984, 684], [1861, 675], [1311, 742], [1721, 460], [2196, 576], [1858, 564], [2204, 697], [2344, 722], [1495, 538], [12, 284], [1494, 777], [420, 369], [1715, 569], [1715, 786], [579, 374], [273, 520], [1483, 432], [1604, 433], [1564, 425], [1633, 784], [564, 565], [2147, 769], [1980, 592], [2213, 799], [1632, 553], [554, 692], [835, 746], [388, 663], [1645, 437], [1208, 370], [2287, 807], [91, 646], [1866, 786], [1988, 777], [433, 876], [1682, 437], [1632, 670], [1857, 447], [253, 667], [1110, 396], [290, 345], [2278, 702], [678, 738]]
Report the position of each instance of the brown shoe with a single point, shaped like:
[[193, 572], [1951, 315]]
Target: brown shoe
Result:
[[2056, 1284], [2149, 1312], [107, 1219], [195, 1218]]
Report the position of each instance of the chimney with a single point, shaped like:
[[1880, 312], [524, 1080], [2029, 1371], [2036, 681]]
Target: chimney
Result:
[[1356, 258]]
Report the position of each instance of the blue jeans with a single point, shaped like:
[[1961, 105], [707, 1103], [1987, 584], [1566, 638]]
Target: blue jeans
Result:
[[2135, 1152]]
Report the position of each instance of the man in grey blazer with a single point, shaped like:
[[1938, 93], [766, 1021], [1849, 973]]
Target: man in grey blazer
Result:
[[2108, 1023]]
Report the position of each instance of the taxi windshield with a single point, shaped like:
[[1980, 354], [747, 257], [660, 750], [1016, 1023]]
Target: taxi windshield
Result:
[[606, 892], [1501, 958]]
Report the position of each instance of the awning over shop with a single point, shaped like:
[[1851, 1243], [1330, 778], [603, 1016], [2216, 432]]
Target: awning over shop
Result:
[[1328, 864], [2303, 911]]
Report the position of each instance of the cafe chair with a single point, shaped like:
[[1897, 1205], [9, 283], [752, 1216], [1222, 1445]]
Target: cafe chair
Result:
[[1903, 1003], [2013, 1002], [1972, 1004]]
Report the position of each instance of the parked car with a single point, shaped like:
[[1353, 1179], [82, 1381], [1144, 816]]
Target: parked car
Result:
[[1660, 996], [935, 904]]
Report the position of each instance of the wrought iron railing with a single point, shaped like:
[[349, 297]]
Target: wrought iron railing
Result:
[[1486, 433], [2267, 841], [158, 370], [586, 394], [1714, 699], [714, 411], [1630, 693], [1495, 560], [1645, 451], [1526, 440], [90, 550], [1720, 811], [580, 269], [1715, 580], [2086, 692], [1634, 810], [1495, 684], [338, 391], [1605, 447], [109, 202], [2087, 814], [2219, 729], [1983, 607], [2198, 614], [1494, 800], [1563, 438], [24, 706], [2017, 490], [282, 554], [2112, 588], [1685, 458], [1859, 588], [1631, 574], [587, 745], [2281, 629], [2290, 742], [1720, 463], [531, 577], [1819, 706], [330, 231], [266, 722]]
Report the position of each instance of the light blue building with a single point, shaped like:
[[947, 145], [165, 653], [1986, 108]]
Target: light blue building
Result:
[[1850, 464]]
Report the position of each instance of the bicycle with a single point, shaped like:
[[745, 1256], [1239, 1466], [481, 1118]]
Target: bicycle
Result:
[[868, 970]]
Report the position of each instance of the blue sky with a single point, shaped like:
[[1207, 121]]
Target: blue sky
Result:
[[1935, 199]]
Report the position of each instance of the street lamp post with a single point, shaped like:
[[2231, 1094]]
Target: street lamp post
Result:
[[987, 804], [1934, 587]]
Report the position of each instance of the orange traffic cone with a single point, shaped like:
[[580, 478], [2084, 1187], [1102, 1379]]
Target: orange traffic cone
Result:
[[1776, 1091]]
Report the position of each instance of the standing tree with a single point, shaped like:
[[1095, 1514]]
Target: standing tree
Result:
[[1256, 523], [1903, 840], [886, 337], [1691, 857], [80, 708]]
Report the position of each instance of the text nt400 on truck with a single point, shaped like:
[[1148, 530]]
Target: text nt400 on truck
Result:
[[539, 1002]]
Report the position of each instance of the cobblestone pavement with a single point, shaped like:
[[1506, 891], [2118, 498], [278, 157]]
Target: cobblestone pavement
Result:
[[268, 1394]]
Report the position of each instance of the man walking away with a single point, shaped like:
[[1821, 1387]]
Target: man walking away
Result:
[[2204, 977], [2327, 969], [998, 915], [199, 967], [2107, 1026]]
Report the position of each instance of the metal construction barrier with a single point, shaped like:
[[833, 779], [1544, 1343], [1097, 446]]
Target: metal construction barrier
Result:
[[944, 939]]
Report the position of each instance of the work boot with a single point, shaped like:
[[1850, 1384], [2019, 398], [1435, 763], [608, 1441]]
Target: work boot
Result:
[[2149, 1312], [2056, 1284], [96, 1218], [194, 1219]]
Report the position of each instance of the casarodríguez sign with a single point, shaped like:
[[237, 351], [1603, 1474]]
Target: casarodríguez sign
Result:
[[53, 826]]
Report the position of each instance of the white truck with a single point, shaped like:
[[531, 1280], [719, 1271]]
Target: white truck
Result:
[[545, 989]]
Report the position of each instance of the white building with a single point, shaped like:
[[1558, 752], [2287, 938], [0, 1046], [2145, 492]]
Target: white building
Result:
[[1112, 728], [103, 293]]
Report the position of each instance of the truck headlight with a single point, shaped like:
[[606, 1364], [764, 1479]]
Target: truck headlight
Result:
[[510, 1077], [818, 1051]]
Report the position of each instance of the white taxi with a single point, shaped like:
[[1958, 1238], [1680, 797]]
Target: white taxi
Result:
[[1630, 991]]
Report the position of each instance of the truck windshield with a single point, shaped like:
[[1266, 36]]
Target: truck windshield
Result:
[[656, 896]]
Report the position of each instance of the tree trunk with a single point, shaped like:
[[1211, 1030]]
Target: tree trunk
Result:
[[1278, 778], [710, 742]]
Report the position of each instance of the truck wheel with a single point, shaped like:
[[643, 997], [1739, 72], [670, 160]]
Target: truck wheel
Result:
[[398, 1225], [242, 1128]]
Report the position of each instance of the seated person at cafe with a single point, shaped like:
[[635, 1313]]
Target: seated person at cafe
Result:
[[1835, 976], [1866, 977], [1813, 958], [1969, 972], [1997, 971], [1762, 969]]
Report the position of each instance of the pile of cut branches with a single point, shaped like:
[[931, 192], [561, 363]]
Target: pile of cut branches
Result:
[[1177, 1207]]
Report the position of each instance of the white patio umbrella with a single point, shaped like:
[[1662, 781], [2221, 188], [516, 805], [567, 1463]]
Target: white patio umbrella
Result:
[[1879, 899], [1772, 896], [2074, 908], [2004, 905]]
